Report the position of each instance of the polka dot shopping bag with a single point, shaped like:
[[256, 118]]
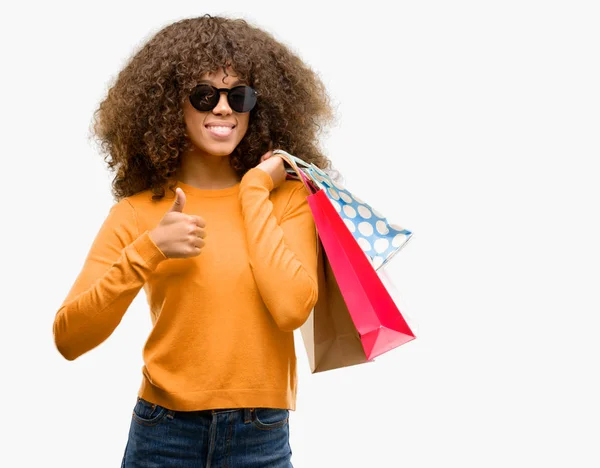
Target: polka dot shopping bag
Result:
[[379, 239]]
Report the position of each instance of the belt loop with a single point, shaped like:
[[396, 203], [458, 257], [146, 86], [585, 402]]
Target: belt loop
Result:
[[247, 415]]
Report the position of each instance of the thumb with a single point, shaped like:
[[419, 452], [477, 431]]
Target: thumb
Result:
[[179, 202]]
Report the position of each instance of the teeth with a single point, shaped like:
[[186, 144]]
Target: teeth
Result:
[[220, 130]]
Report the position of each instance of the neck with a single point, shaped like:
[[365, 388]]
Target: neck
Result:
[[206, 171]]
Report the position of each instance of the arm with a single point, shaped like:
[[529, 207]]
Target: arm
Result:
[[117, 266], [283, 256]]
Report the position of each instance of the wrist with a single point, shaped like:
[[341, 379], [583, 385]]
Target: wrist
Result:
[[155, 237]]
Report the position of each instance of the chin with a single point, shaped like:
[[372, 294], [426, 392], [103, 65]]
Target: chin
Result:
[[222, 152], [218, 150]]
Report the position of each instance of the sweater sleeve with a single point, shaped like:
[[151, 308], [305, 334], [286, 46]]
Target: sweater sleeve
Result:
[[283, 256], [118, 264]]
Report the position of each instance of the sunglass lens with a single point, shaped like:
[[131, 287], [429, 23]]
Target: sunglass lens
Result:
[[242, 98], [204, 97]]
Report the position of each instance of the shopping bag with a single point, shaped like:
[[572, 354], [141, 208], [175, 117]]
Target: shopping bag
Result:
[[355, 319], [379, 239]]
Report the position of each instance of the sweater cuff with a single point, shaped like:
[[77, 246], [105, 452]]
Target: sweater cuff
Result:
[[148, 250], [257, 176]]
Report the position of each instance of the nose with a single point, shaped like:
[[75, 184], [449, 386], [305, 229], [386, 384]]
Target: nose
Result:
[[222, 107]]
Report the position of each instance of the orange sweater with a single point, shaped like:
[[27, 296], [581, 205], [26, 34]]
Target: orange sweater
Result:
[[223, 321]]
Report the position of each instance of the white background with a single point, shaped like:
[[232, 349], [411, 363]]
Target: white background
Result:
[[472, 123]]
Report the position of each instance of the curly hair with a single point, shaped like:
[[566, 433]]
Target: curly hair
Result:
[[140, 124]]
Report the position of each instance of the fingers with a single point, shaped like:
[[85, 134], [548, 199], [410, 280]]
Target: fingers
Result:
[[198, 221], [198, 226], [197, 235], [199, 232], [199, 243]]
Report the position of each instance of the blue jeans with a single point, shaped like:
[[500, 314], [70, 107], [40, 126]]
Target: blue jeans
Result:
[[224, 438]]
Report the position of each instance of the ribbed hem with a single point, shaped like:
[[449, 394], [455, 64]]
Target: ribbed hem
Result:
[[148, 250], [218, 399]]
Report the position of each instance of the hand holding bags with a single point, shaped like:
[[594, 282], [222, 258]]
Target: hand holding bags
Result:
[[355, 318]]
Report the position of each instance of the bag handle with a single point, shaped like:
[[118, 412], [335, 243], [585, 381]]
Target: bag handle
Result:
[[293, 162], [298, 161]]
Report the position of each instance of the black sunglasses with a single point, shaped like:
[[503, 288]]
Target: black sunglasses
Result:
[[205, 97]]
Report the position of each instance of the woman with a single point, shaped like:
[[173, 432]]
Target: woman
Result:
[[223, 244]]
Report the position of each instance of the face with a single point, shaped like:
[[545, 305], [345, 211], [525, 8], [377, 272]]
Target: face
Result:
[[219, 131]]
